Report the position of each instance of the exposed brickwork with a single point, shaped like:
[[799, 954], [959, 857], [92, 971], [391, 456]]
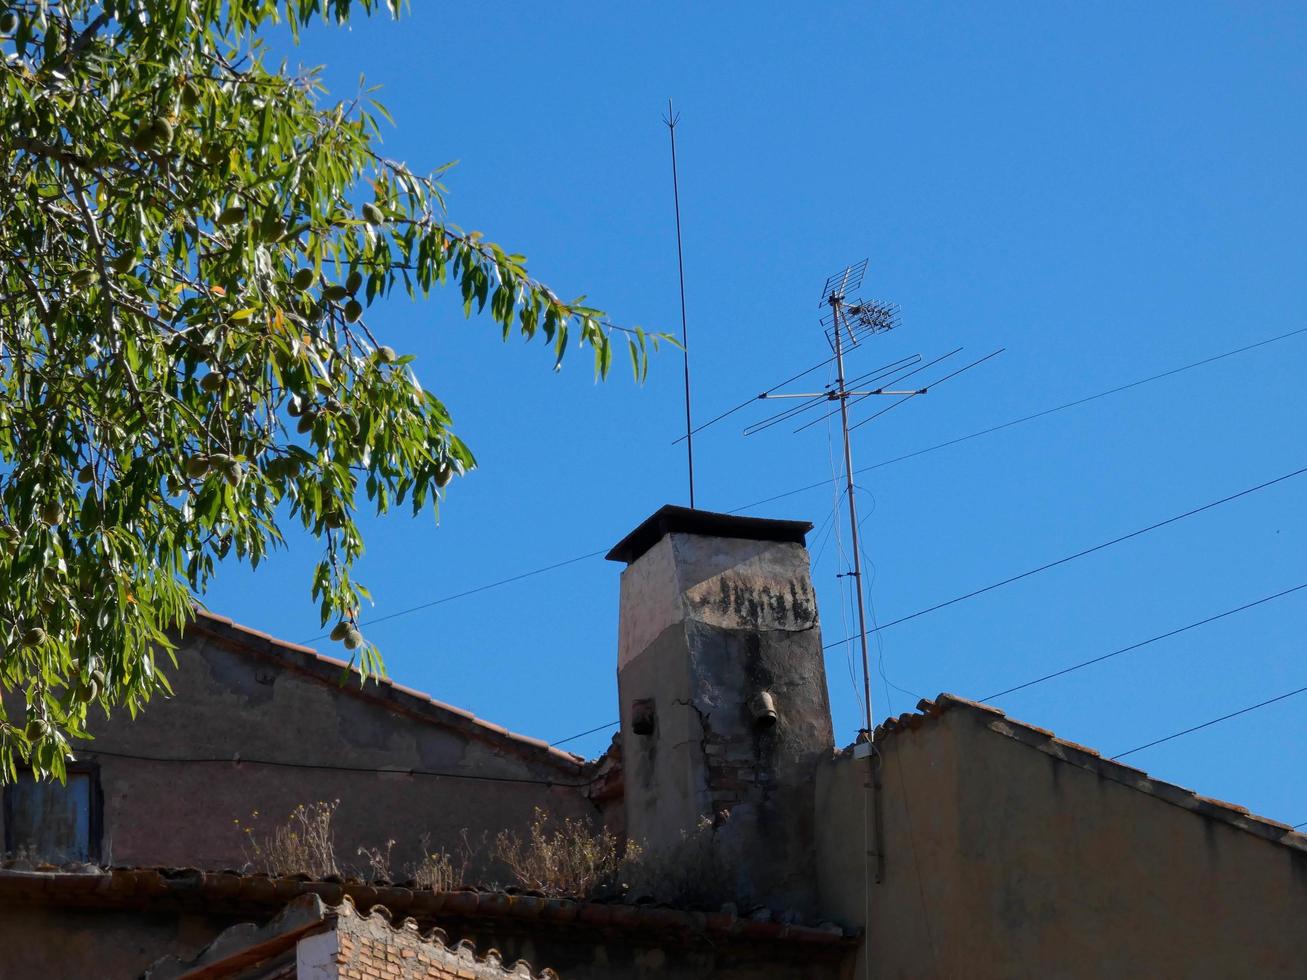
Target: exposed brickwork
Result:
[[737, 771], [370, 948]]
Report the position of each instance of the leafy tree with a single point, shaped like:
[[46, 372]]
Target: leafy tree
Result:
[[190, 238]]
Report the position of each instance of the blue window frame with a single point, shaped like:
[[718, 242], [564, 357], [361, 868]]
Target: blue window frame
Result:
[[51, 821]]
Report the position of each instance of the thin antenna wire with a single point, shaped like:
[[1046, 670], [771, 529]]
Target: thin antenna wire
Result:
[[842, 562], [671, 120], [836, 301]]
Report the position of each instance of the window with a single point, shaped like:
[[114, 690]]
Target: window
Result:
[[51, 821]]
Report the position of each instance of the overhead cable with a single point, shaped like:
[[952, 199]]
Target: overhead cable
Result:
[[1144, 643], [1036, 415], [1081, 554], [240, 760], [588, 731], [888, 462], [468, 592], [1209, 724], [1073, 667]]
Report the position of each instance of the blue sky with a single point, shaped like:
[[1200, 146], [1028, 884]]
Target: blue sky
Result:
[[1106, 192]]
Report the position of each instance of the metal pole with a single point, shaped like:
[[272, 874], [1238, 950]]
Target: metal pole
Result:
[[680, 268], [842, 395]]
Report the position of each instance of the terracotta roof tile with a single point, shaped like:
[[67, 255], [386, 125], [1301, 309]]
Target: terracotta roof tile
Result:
[[1089, 758], [246, 944], [236, 892]]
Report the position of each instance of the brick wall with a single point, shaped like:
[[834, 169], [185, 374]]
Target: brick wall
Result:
[[370, 948]]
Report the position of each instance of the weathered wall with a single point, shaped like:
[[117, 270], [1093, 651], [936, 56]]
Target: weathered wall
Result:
[[1003, 859], [230, 704], [709, 624], [46, 935], [615, 958], [40, 943]]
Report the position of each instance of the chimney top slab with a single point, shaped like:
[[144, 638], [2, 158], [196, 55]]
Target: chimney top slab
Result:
[[670, 518]]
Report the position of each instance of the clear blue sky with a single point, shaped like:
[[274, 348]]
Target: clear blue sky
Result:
[[1107, 192]]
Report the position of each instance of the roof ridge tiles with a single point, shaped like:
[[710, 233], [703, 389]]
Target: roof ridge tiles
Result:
[[1087, 757], [245, 943], [134, 886], [419, 703]]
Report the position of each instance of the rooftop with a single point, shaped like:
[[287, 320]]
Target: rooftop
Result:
[[260, 895], [247, 945], [672, 519], [1084, 757], [398, 698]]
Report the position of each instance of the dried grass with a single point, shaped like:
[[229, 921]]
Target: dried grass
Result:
[[302, 845], [692, 873], [565, 859], [440, 871]]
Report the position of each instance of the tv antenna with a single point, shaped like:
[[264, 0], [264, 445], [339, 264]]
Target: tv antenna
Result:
[[847, 324], [671, 119]]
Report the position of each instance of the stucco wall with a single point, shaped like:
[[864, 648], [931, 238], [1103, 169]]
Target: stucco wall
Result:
[[230, 704], [709, 625], [1002, 860], [40, 943]]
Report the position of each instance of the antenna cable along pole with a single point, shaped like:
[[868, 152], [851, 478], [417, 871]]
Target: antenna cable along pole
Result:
[[842, 394], [846, 324]]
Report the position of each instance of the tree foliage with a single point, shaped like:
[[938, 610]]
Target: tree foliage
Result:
[[190, 239]]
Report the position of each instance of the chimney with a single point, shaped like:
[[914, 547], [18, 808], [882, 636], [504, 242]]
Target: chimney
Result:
[[724, 707]]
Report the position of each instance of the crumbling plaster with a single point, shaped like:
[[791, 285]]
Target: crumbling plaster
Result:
[[710, 624], [230, 705]]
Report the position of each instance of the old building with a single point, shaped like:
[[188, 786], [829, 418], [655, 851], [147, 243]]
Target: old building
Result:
[[957, 842], [262, 726]]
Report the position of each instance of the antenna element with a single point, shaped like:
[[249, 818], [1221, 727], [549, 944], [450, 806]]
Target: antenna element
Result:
[[846, 323], [671, 119]]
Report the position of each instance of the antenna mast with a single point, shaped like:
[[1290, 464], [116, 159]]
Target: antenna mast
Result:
[[671, 119], [836, 301], [847, 322]]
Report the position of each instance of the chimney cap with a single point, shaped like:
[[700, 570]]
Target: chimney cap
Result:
[[670, 518]]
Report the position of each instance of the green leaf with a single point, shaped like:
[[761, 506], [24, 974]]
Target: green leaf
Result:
[[164, 183]]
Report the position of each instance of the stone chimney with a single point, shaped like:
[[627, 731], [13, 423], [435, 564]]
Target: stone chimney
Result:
[[724, 708]]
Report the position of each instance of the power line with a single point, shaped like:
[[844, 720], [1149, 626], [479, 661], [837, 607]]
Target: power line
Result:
[[479, 588], [1144, 643], [1074, 667], [282, 764], [949, 602], [1081, 554], [883, 626], [1036, 415], [588, 731], [790, 493], [1209, 724]]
